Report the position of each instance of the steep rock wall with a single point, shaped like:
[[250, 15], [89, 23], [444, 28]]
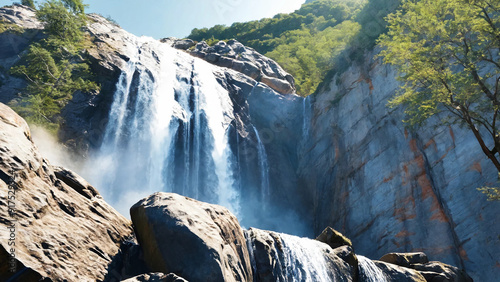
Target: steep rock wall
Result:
[[389, 188]]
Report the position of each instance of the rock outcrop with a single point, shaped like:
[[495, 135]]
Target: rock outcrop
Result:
[[198, 241], [59, 227], [246, 60], [21, 29], [333, 238], [432, 271]]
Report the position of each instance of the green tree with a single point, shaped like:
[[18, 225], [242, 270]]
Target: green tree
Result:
[[446, 52], [54, 67], [28, 3]]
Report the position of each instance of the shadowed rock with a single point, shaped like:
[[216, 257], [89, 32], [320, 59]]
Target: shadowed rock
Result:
[[59, 232], [198, 241], [333, 238]]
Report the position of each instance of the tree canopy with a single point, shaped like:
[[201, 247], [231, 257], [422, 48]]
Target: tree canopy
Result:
[[304, 42], [54, 67], [447, 54]]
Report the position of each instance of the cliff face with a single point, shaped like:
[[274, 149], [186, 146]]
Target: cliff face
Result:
[[390, 188], [55, 224], [340, 158]]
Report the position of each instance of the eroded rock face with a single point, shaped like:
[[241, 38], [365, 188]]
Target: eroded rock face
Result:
[[390, 189], [432, 271], [23, 29], [394, 273], [195, 240], [62, 228], [246, 60]]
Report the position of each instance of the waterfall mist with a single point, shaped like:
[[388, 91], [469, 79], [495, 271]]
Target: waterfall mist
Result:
[[54, 151]]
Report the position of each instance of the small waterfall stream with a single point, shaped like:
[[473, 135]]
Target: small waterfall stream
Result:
[[303, 260], [263, 167], [369, 272]]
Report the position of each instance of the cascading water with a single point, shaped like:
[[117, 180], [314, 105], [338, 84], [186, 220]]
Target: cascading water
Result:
[[369, 272], [167, 131], [263, 167], [306, 112], [286, 258], [303, 260]]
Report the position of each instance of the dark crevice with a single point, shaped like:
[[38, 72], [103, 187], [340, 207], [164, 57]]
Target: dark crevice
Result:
[[442, 204]]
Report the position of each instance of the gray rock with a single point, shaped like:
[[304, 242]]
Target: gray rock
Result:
[[60, 232], [391, 189], [195, 240], [246, 60], [405, 259], [438, 271], [394, 273], [14, 42], [182, 44]]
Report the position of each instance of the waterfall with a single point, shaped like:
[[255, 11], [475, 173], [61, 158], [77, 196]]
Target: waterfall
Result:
[[306, 112], [263, 167], [303, 260], [167, 131], [369, 272]]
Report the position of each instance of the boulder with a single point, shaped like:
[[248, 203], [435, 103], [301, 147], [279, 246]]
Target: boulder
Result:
[[59, 230], [182, 44], [347, 254], [198, 241], [405, 259], [437, 271], [432, 271], [246, 60], [394, 273], [333, 238]]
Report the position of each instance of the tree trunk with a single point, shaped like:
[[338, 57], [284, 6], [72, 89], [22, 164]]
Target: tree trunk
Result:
[[485, 149]]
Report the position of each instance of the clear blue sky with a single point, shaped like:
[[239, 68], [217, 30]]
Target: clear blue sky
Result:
[[163, 18]]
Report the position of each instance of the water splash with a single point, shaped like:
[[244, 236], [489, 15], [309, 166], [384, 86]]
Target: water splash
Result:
[[303, 260], [369, 272]]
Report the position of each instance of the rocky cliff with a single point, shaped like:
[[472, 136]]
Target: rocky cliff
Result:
[[391, 188], [54, 224], [340, 158]]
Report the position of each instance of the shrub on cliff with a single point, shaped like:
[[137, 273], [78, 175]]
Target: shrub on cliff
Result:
[[54, 67]]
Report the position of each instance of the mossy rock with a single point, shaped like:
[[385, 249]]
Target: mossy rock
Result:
[[333, 238]]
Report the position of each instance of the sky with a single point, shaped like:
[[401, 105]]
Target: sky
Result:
[[176, 18]]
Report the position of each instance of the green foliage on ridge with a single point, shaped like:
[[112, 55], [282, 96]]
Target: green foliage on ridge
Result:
[[54, 67], [321, 37], [303, 42]]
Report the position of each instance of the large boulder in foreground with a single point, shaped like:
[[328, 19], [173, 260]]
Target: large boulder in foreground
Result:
[[195, 240], [59, 227]]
